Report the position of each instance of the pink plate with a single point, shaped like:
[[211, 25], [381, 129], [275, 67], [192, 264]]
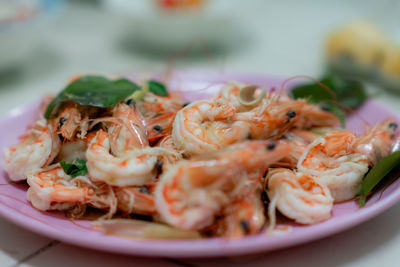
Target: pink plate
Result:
[[194, 85]]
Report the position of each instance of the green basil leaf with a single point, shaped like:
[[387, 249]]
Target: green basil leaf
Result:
[[67, 167], [74, 169], [157, 88], [95, 91], [313, 92], [347, 92], [377, 173]]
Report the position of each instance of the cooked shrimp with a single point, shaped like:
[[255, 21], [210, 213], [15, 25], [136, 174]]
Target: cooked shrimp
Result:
[[229, 93], [153, 105], [168, 159], [53, 189], [35, 150], [378, 141], [274, 116], [209, 125], [134, 168], [205, 126], [341, 159], [167, 143], [136, 199], [297, 196], [160, 126], [299, 139], [290, 160], [314, 116], [128, 131], [191, 193], [52, 186], [245, 215], [309, 115], [68, 121], [332, 160], [132, 161]]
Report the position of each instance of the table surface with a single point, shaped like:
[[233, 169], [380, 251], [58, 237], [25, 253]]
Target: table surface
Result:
[[295, 47]]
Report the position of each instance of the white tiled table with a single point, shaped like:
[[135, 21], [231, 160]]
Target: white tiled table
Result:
[[288, 44]]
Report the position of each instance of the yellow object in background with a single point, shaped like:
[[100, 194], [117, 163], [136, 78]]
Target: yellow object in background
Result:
[[361, 41], [363, 49], [391, 64]]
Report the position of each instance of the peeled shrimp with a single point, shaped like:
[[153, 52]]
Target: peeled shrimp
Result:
[[205, 126], [299, 139], [134, 168], [122, 157], [53, 189], [245, 215], [341, 159], [35, 150], [229, 93], [333, 161], [191, 193], [297, 196]]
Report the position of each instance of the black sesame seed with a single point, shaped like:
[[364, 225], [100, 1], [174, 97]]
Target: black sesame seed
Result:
[[291, 114], [131, 102], [158, 128], [144, 190], [271, 145], [245, 226], [393, 125], [62, 121], [185, 104], [159, 165]]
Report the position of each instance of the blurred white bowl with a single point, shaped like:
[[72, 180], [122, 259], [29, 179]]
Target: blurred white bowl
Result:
[[21, 22], [174, 30]]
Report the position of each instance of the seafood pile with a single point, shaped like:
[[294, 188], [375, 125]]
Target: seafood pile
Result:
[[221, 166]]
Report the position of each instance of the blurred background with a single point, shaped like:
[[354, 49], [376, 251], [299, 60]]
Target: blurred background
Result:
[[44, 42]]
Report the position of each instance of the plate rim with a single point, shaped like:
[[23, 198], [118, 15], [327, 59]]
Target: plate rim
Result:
[[168, 248]]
